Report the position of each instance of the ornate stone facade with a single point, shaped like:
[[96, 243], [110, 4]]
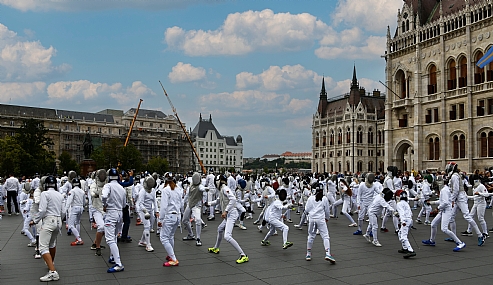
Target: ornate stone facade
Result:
[[440, 106]]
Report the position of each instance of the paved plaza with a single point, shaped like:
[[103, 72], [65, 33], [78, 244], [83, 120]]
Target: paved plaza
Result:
[[358, 262]]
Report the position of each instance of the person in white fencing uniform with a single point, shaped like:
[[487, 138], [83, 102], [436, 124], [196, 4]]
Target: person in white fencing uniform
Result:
[[345, 200], [227, 202], [169, 217], [424, 194], [318, 210], [406, 218], [50, 214], [459, 199], [275, 217], [367, 191], [64, 190], [304, 198], [379, 203], [114, 200], [25, 206], [194, 206], [211, 194], [354, 189], [96, 192], [146, 205], [35, 211], [445, 213], [389, 183], [269, 195], [331, 193], [479, 207], [75, 203]]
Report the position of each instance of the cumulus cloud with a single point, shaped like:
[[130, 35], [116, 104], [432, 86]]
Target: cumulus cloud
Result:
[[138, 90], [22, 60], [185, 72], [371, 15], [342, 87], [373, 47], [75, 5], [278, 78], [20, 91], [242, 33]]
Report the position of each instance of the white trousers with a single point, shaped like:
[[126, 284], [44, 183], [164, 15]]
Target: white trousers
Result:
[[444, 217], [187, 214], [403, 232], [464, 208], [74, 220], [113, 219], [226, 229], [167, 233], [321, 226], [479, 209]]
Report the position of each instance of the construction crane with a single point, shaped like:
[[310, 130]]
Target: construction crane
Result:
[[132, 124], [184, 130]]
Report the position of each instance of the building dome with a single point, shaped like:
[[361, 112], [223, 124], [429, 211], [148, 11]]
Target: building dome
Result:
[[239, 139]]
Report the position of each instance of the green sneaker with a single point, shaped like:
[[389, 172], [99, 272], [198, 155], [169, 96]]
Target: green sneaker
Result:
[[287, 244], [214, 250], [242, 259], [265, 242]]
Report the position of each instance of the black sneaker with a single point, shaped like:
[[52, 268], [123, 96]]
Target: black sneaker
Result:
[[409, 254], [98, 252], [93, 246], [466, 233], [403, 250]]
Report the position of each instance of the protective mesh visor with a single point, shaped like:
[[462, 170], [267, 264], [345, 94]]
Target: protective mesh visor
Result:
[[196, 179], [27, 186], [71, 175], [370, 178], [149, 183], [101, 175]]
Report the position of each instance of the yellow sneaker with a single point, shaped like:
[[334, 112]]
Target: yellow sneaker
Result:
[[214, 250], [242, 259]]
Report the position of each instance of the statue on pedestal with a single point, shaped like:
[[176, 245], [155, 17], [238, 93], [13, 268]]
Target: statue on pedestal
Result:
[[88, 147]]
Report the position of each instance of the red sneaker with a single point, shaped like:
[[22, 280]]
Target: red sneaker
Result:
[[77, 242]]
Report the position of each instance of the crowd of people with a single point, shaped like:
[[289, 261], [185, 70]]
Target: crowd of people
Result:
[[162, 203]]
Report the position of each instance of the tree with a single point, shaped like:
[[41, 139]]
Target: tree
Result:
[[157, 164], [67, 163], [112, 152], [11, 155]]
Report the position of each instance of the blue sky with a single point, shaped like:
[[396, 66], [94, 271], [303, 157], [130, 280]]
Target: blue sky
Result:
[[256, 66]]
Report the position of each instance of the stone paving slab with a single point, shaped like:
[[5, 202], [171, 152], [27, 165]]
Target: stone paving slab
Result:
[[358, 262]]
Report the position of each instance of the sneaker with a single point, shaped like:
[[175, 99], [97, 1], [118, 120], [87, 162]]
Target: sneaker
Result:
[[289, 221], [419, 221], [427, 223], [189, 237], [171, 263], [111, 260], [376, 243], [491, 230], [299, 227], [358, 233], [149, 248], [37, 255], [98, 252], [22, 232], [77, 242], [480, 240], [428, 242], [287, 244], [198, 242], [50, 276], [308, 256], [93, 246], [69, 233], [128, 239], [257, 221], [353, 225], [217, 212], [211, 218], [115, 268], [143, 244], [242, 259], [403, 250], [242, 227], [367, 237], [32, 244], [329, 258], [214, 250], [409, 254], [459, 246], [265, 242], [466, 233], [152, 231], [259, 228], [384, 230], [168, 258], [485, 235], [17, 214], [275, 233]]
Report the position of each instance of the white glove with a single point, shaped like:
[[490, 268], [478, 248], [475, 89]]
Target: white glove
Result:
[[206, 189]]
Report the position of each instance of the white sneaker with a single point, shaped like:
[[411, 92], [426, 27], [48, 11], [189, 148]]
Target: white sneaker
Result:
[[141, 243], [32, 244], [353, 225], [149, 248], [242, 227], [152, 230], [50, 276], [376, 243], [367, 237]]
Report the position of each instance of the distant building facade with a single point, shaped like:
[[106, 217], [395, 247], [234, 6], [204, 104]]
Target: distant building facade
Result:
[[154, 133], [296, 157], [348, 131], [442, 108], [215, 150]]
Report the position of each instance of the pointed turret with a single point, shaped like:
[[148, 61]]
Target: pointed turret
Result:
[[200, 117], [322, 103], [354, 82], [210, 118], [323, 93], [354, 94]]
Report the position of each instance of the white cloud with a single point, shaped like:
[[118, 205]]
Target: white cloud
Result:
[[75, 5], [20, 91], [278, 78], [242, 33], [342, 87], [297, 106], [22, 60], [371, 15], [185, 72], [372, 48], [138, 90]]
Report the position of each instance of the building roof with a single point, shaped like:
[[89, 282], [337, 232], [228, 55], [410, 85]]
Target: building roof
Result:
[[296, 154], [203, 126], [111, 112], [429, 10], [15, 110], [144, 113], [230, 140], [271, 156], [79, 116]]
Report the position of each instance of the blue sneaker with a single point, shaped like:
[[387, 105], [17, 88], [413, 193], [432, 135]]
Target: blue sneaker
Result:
[[428, 242], [449, 239], [111, 260], [115, 268], [480, 240], [459, 246], [358, 233]]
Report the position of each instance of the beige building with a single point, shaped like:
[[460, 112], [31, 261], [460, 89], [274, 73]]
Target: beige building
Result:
[[154, 133], [440, 106], [348, 131]]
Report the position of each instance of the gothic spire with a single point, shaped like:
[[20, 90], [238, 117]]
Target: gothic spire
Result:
[[354, 82], [323, 93]]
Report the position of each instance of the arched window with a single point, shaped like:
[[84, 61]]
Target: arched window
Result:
[[486, 144], [400, 78], [380, 166], [331, 167], [317, 138], [339, 137], [379, 135], [479, 75], [316, 167], [452, 76], [348, 166], [459, 143], [324, 139], [463, 72], [331, 137], [324, 168], [437, 148], [370, 136], [434, 148], [359, 166], [432, 85], [370, 166], [359, 135], [348, 135], [339, 167]]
